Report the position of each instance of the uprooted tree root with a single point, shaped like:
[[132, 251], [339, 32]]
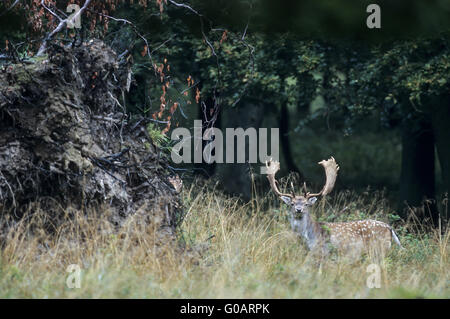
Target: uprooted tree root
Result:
[[66, 142]]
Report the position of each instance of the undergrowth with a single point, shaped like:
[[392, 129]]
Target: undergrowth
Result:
[[224, 249]]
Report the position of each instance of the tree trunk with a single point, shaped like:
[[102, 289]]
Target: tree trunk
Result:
[[440, 117], [417, 173], [285, 143], [236, 177]]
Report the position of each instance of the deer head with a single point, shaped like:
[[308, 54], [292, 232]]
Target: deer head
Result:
[[301, 203]]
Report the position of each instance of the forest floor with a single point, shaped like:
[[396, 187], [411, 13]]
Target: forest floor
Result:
[[231, 251]]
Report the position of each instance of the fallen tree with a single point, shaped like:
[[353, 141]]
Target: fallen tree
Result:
[[66, 140]]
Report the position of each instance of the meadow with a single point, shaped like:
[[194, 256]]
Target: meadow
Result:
[[223, 249]]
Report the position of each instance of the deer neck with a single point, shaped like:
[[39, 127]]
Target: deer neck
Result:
[[307, 228]]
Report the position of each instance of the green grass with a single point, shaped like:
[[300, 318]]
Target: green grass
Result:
[[224, 249]]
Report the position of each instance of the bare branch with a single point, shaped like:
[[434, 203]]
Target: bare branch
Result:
[[49, 10], [184, 6], [61, 26], [125, 21], [163, 44], [10, 8]]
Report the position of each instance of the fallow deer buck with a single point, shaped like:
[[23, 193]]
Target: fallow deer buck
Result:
[[348, 238]]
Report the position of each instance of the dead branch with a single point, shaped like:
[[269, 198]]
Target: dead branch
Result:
[[61, 26]]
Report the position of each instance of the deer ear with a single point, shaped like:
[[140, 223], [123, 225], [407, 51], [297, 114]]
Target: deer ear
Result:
[[286, 199], [312, 200]]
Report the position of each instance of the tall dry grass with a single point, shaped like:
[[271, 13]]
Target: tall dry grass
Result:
[[224, 249]]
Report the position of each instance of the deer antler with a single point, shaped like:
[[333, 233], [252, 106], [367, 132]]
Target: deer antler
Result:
[[272, 168], [331, 169]]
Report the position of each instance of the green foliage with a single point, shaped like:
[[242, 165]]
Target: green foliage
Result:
[[397, 76], [273, 70], [159, 139]]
